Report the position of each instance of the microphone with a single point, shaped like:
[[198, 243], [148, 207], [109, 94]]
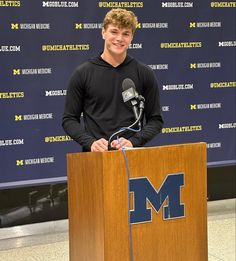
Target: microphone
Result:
[[130, 96]]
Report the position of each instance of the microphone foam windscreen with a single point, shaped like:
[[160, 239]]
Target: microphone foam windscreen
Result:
[[127, 83]]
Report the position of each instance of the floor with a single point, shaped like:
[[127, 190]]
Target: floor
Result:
[[49, 240]]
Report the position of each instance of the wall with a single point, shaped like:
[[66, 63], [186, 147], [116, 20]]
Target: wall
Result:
[[189, 45]]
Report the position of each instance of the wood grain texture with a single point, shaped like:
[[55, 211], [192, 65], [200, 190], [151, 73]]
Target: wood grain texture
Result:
[[98, 205]]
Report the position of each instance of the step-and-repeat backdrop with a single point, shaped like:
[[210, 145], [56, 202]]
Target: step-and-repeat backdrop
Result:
[[189, 45]]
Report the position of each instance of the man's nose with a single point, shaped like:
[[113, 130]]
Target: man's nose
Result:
[[119, 37]]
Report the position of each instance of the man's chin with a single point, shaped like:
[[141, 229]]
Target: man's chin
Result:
[[119, 51]]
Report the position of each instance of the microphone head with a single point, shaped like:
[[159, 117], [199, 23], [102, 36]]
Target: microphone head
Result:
[[128, 83], [129, 93]]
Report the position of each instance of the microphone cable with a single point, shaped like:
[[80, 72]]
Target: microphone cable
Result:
[[130, 128], [129, 221]]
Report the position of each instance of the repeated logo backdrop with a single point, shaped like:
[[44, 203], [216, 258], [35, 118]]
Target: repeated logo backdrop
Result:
[[189, 45]]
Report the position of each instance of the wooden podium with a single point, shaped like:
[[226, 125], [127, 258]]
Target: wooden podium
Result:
[[98, 205]]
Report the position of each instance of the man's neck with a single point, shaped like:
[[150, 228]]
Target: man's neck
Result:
[[113, 60]]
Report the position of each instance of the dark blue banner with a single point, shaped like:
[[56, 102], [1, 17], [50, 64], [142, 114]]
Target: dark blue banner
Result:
[[189, 45]]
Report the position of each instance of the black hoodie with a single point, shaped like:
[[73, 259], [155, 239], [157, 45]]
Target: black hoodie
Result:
[[95, 89]]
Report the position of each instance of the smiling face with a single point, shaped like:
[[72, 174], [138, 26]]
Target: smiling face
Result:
[[118, 30], [117, 40]]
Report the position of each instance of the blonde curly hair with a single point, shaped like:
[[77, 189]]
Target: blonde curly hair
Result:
[[121, 18]]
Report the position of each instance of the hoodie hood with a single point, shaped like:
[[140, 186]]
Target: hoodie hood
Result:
[[99, 61]]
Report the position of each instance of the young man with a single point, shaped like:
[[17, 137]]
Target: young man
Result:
[[95, 89]]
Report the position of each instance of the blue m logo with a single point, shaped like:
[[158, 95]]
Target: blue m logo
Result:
[[144, 192]]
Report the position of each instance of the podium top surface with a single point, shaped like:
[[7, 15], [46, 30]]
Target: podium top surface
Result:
[[150, 148]]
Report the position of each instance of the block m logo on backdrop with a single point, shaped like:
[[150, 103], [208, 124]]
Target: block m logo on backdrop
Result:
[[144, 192]]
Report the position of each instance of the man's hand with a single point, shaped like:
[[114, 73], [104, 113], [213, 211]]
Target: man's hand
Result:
[[121, 143], [99, 145]]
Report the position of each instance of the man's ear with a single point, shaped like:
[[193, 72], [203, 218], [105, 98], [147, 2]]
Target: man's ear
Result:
[[103, 31]]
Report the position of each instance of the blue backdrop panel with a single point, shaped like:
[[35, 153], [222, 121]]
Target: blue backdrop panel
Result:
[[189, 45]]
